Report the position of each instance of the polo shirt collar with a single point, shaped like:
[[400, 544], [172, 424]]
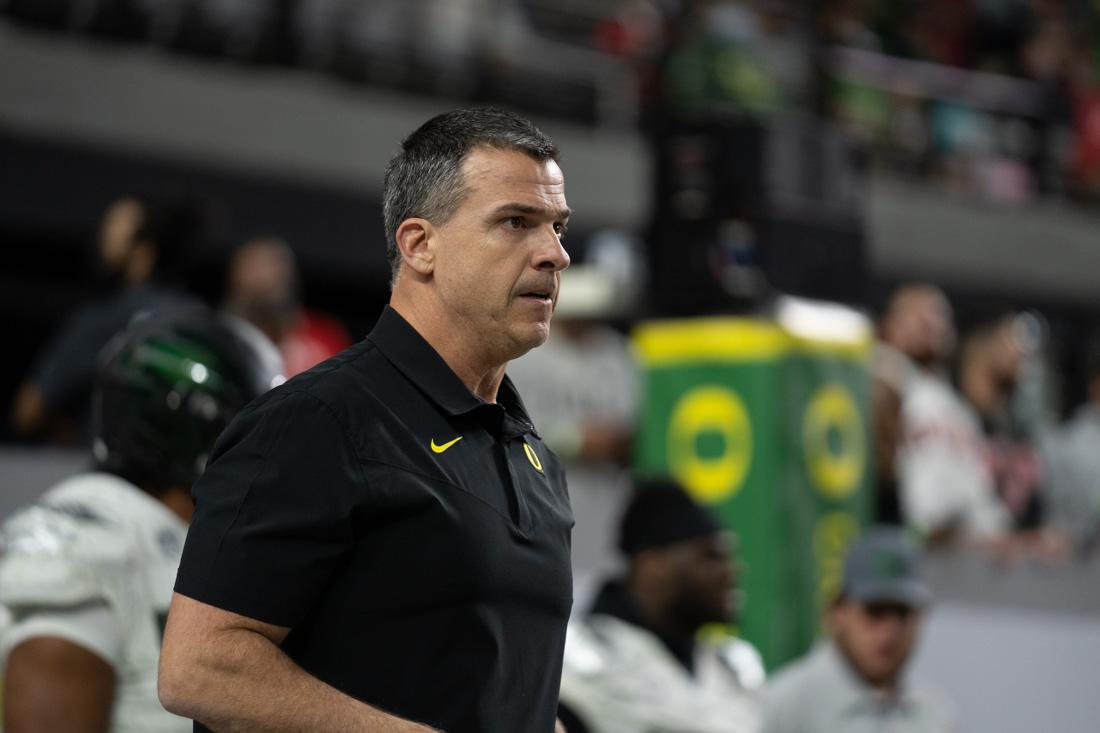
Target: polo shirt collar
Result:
[[407, 350]]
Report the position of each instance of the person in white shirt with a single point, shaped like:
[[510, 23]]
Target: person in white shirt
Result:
[[930, 447]]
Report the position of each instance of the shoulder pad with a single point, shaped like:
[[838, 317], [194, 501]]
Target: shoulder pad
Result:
[[60, 552], [743, 659], [585, 654]]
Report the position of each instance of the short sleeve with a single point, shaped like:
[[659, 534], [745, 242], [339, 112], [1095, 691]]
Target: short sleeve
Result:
[[94, 627], [66, 573], [272, 511]]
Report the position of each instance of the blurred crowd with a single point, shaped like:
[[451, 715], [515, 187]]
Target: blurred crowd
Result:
[[967, 445], [146, 249], [998, 99]]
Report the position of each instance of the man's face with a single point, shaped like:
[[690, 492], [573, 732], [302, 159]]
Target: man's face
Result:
[[922, 326], [705, 583], [877, 638], [262, 287], [117, 233], [498, 258]]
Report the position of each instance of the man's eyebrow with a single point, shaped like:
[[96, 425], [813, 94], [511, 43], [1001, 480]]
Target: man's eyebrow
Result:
[[556, 214]]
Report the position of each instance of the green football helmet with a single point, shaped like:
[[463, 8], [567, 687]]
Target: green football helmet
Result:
[[168, 386]]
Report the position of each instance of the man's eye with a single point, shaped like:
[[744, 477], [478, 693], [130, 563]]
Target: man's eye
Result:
[[516, 222], [560, 229]]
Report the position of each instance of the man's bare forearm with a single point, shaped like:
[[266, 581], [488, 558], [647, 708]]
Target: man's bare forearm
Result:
[[238, 680]]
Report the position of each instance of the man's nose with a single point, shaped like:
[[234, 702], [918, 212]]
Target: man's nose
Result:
[[551, 254]]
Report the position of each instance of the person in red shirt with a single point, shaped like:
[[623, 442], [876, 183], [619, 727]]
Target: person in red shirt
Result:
[[262, 287]]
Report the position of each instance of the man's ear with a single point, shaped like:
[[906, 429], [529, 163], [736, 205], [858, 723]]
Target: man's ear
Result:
[[412, 241]]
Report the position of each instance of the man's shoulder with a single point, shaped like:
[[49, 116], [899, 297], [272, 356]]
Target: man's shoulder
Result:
[[333, 383], [336, 399], [79, 535], [739, 657], [932, 704], [931, 396], [617, 644], [89, 505]]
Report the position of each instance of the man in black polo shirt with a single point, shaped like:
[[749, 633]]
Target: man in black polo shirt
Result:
[[382, 544]]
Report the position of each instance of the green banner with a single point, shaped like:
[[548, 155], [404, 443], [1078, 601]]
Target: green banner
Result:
[[771, 430]]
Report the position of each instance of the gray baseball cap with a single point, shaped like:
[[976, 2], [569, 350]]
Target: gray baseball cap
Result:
[[884, 565]]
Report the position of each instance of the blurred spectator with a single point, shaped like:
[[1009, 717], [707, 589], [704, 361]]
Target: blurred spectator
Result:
[[637, 663], [909, 87], [631, 30], [989, 370], [846, 23], [87, 572], [1073, 455], [713, 61], [944, 486], [581, 390], [263, 288], [142, 245], [915, 332], [853, 681]]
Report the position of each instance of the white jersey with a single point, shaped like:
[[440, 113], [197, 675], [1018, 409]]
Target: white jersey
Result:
[[620, 678], [94, 562], [942, 470]]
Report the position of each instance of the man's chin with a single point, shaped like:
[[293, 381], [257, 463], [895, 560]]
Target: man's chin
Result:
[[531, 338]]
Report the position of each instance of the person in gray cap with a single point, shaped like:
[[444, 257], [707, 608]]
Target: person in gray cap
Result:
[[852, 682]]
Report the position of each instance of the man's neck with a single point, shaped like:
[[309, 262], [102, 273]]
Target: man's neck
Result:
[[887, 686], [482, 377], [178, 500]]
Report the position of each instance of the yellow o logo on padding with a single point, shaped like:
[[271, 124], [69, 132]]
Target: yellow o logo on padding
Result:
[[836, 470], [718, 412], [834, 532], [532, 456]]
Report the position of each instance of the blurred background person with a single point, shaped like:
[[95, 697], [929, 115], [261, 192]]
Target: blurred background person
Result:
[[263, 287], [86, 573], [581, 390], [916, 333], [1001, 377], [990, 366], [141, 248], [1073, 459], [944, 487], [853, 682], [636, 662]]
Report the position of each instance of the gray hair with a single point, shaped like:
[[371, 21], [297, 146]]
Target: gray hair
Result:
[[425, 179]]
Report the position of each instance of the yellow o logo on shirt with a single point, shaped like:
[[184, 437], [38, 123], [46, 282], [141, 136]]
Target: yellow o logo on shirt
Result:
[[833, 441], [532, 456], [714, 415]]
